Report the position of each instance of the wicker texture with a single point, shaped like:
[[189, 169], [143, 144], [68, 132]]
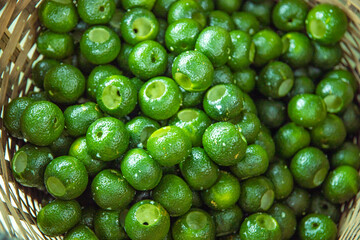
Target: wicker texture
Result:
[[19, 26]]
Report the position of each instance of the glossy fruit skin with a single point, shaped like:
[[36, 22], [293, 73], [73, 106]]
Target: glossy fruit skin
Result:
[[262, 10], [248, 104], [40, 69], [320, 205], [98, 73], [193, 71], [199, 171], [286, 219], [81, 231], [79, 117], [163, 25], [79, 150], [252, 193], [268, 46], [173, 194], [70, 172], [223, 75], [125, 90], [37, 158], [246, 22], [347, 154], [157, 230], [181, 35], [140, 170], [338, 88], [224, 144], [162, 7], [115, 20], [298, 201], [345, 76], [107, 225], [227, 221], [317, 226], [171, 58], [333, 22], [137, 82], [148, 59], [252, 228], [83, 63], [228, 6], [96, 12], [87, 216], [13, 113], [307, 110], [245, 79], [329, 134], [302, 85], [128, 4], [219, 197], [214, 42], [290, 15], [281, 177], [254, 163], [297, 49], [206, 5], [61, 145], [123, 57], [314, 72], [56, 84], [271, 113], [203, 228], [221, 19], [111, 191], [38, 96], [290, 138], [58, 217], [57, 16], [140, 128], [169, 145], [223, 102], [265, 140], [55, 45], [256, 134], [350, 117], [160, 107], [341, 184], [131, 19], [242, 50], [306, 166], [301, 72], [194, 126], [160, 38], [326, 57], [42, 122], [275, 80], [113, 140], [100, 52], [186, 9], [249, 126]]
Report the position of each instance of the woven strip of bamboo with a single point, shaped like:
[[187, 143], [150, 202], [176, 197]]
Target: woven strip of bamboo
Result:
[[19, 27]]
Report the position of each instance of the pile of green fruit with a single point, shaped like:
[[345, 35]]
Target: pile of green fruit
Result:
[[189, 119]]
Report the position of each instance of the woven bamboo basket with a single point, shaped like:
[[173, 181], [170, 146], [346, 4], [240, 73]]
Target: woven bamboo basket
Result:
[[19, 27]]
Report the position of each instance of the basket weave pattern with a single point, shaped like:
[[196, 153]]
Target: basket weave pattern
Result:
[[19, 27]]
